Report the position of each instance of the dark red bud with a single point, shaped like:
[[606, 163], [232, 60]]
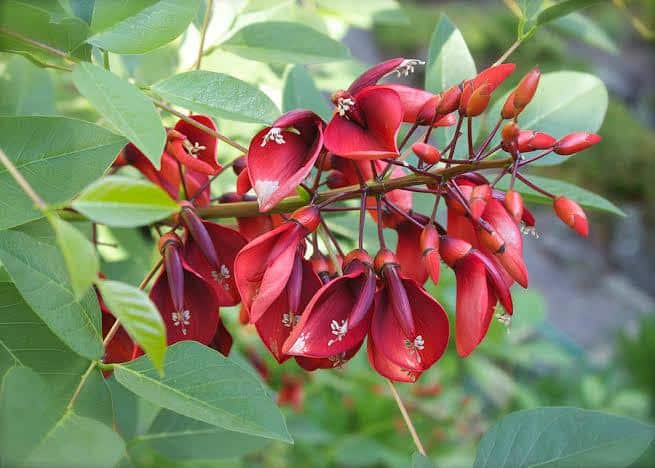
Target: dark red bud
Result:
[[230, 197], [336, 179], [514, 205], [572, 215], [243, 183], [324, 162], [308, 217], [526, 88], [427, 114], [509, 111], [170, 245], [426, 153], [294, 286], [197, 229], [239, 164], [453, 249], [398, 299], [449, 100], [365, 299], [478, 101], [576, 142]]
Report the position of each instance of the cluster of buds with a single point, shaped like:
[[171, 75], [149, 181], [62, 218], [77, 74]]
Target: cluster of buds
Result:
[[317, 307]]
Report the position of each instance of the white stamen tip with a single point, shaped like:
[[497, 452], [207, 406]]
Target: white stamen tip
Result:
[[274, 134], [344, 105], [408, 66]]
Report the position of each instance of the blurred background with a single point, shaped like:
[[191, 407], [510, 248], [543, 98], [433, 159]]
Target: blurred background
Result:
[[583, 335]]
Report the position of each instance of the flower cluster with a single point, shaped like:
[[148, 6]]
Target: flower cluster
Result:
[[319, 307]]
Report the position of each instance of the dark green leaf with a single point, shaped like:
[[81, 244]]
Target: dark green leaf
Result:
[[202, 384], [585, 198], [124, 106], [180, 438], [562, 9], [139, 316], [79, 255], [133, 415], [563, 437], [35, 432], [39, 272], [218, 95], [565, 102], [124, 202], [57, 155], [25, 89], [582, 28], [283, 42], [28, 20], [300, 92], [139, 26], [449, 60]]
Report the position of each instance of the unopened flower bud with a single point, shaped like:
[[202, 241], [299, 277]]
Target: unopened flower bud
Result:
[[478, 101], [532, 141], [509, 111], [239, 164], [336, 179], [526, 88], [572, 215], [426, 153], [514, 205], [449, 100], [308, 217], [480, 195], [576, 142], [453, 249]]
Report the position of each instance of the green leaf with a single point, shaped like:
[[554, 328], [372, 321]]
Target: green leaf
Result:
[[583, 197], [565, 102], [133, 415], [35, 432], [563, 437], [79, 254], [582, 28], [124, 202], [124, 106], [283, 42], [58, 156], [219, 95], [139, 26], [139, 316], [528, 22], [65, 34], [181, 438], [202, 384], [300, 92], [562, 9], [39, 272], [421, 461], [25, 89], [449, 60]]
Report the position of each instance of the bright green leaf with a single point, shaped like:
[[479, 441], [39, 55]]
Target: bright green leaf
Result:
[[583, 197], [139, 316], [79, 254], [29, 20], [364, 13], [139, 26], [39, 272], [124, 106], [25, 89], [565, 102], [124, 202], [284, 42], [562, 9], [563, 437], [218, 95], [300, 92], [202, 384], [35, 432], [58, 156], [449, 60]]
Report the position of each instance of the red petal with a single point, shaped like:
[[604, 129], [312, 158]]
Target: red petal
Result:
[[227, 243], [222, 341], [337, 360], [493, 76], [276, 169], [374, 74], [199, 301], [471, 315], [383, 113], [412, 100], [176, 149], [120, 348], [416, 352], [254, 226], [195, 135], [409, 253], [387, 368]]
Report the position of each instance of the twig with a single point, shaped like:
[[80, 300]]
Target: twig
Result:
[[507, 53], [203, 33], [22, 182], [408, 420]]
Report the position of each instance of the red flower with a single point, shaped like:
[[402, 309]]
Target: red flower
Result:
[[419, 106], [263, 267], [409, 252], [282, 155], [337, 318], [186, 302], [365, 124], [409, 327]]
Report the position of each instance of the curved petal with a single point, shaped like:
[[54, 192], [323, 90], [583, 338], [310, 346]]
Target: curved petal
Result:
[[472, 316], [408, 252], [222, 341], [387, 368], [383, 114], [199, 318], [227, 243], [202, 139]]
